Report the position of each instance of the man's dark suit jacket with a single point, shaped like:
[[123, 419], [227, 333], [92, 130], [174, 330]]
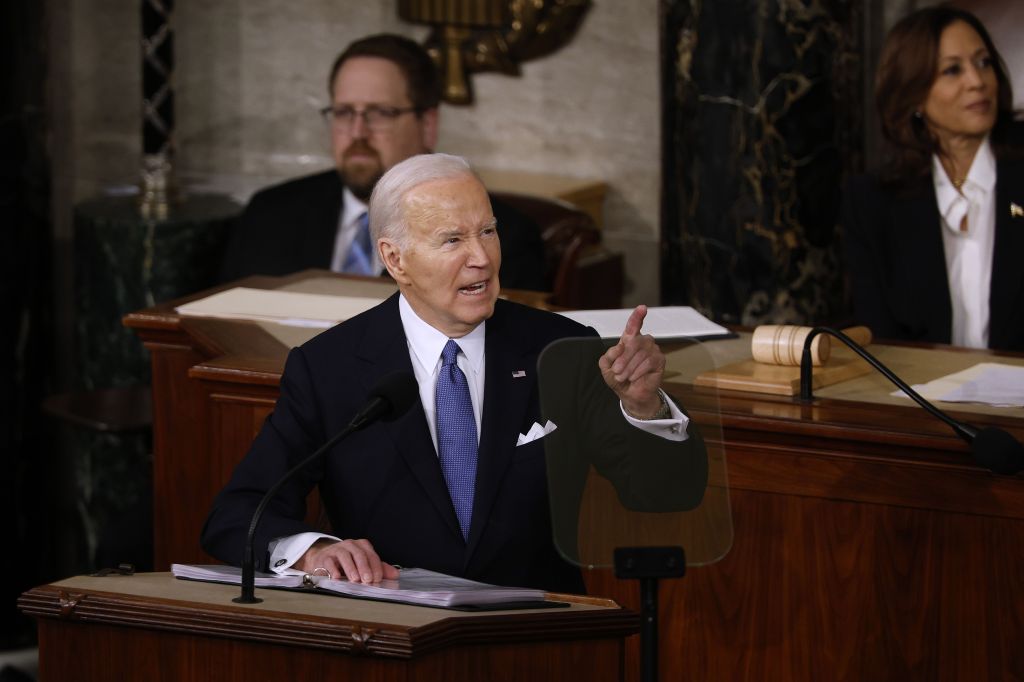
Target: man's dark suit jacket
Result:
[[897, 268], [385, 483], [292, 226]]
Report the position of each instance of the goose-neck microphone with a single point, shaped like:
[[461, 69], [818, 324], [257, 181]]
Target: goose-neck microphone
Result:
[[992, 448], [389, 399]]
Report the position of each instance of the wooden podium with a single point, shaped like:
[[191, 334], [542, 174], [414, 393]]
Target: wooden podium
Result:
[[867, 543], [151, 626]]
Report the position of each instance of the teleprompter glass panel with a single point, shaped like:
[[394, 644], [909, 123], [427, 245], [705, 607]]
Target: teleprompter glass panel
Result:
[[613, 485]]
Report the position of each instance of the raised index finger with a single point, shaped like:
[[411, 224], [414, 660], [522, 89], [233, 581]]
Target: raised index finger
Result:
[[634, 323]]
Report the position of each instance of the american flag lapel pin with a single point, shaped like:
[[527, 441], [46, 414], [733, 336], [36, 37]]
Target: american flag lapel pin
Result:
[[1016, 211], [519, 374]]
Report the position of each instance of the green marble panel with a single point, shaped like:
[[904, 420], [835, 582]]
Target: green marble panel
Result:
[[123, 263]]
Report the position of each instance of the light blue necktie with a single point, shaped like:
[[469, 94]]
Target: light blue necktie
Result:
[[359, 260], [456, 434]]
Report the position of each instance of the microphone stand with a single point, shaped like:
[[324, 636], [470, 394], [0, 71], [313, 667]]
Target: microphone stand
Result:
[[648, 565], [993, 448], [248, 595], [389, 399], [968, 433]]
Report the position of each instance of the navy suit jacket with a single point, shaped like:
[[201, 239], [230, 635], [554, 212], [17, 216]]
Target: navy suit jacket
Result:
[[896, 263], [385, 482], [292, 226]]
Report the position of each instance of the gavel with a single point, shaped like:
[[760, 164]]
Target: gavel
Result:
[[783, 344]]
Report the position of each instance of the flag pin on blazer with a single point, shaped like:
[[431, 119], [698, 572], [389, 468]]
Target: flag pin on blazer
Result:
[[1016, 211], [519, 374]]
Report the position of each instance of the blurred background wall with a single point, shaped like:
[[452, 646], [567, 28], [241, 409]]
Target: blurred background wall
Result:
[[251, 75]]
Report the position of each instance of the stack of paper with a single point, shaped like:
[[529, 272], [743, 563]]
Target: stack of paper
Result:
[[414, 586]]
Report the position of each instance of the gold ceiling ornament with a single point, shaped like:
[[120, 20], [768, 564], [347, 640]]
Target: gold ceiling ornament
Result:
[[472, 36]]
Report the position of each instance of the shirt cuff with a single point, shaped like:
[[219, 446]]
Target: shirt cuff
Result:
[[672, 428], [285, 551]]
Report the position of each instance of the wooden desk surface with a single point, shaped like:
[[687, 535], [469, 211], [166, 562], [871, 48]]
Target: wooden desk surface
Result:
[[913, 364]]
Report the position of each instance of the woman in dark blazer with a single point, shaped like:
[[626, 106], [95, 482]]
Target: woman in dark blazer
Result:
[[934, 243]]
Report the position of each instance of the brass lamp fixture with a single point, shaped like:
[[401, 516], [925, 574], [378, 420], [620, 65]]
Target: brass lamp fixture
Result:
[[491, 35]]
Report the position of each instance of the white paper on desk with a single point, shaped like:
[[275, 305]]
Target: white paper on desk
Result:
[[290, 308], [414, 586], [664, 322], [987, 383], [999, 385]]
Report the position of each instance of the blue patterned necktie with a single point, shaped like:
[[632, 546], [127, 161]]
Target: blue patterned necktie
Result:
[[456, 434], [359, 260]]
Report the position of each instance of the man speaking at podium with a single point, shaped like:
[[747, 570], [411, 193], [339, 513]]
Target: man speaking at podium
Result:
[[451, 485]]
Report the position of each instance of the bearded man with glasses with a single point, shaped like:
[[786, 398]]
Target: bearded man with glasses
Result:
[[385, 92]]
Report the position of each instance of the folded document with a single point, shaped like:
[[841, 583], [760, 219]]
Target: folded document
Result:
[[414, 586]]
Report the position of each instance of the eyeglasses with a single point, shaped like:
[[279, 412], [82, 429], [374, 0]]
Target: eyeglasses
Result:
[[376, 119]]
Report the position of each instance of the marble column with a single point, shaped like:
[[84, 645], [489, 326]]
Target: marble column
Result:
[[762, 120], [124, 262]]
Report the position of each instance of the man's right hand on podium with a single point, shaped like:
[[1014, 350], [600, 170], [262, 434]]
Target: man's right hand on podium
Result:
[[354, 560]]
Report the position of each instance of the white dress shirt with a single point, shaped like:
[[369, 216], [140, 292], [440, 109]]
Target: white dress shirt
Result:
[[969, 253], [348, 225], [425, 346]]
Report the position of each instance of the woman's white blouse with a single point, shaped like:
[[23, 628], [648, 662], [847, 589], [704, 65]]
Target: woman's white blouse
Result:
[[969, 253]]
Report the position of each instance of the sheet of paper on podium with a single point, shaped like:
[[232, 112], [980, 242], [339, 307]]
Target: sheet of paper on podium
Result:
[[663, 323], [282, 307], [986, 383]]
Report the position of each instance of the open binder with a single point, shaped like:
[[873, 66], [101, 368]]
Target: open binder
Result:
[[416, 586]]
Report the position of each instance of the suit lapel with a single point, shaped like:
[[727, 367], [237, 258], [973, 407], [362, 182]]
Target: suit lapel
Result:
[[324, 212], [1007, 287], [506, 399], [917, 249], [385, 350]]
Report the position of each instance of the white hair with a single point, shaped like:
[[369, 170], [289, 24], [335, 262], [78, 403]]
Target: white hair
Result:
[[387, 218]]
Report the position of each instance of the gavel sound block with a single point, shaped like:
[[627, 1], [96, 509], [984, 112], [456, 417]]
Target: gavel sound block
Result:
[[775, 367]]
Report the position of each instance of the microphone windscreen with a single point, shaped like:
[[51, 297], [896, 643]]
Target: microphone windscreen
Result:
[[399, 390], [998, 451]]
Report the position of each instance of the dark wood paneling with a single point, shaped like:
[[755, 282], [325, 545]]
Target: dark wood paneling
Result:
[[180, 443], [87, 635], [817, 588], [110, 653]]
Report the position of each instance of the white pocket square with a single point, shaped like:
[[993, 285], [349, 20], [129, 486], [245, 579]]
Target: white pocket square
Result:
[[536, 431]]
